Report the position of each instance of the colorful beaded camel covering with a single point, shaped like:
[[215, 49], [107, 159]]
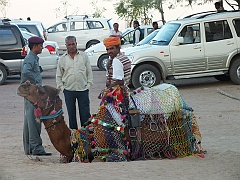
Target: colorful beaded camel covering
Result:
[[167, 128]]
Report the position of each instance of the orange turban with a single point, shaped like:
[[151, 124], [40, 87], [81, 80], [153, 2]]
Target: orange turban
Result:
[[112, 41]]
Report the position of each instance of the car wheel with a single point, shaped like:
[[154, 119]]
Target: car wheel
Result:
[[102, 62], [146, 75], [91, 43], [223, 77], [3, 75], [234, 71]]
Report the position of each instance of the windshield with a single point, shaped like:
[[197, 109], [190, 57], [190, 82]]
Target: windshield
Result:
[[165, 34], [125, 31], [148, 38], [27, 35]]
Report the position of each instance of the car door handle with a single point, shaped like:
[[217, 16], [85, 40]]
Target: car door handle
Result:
[[229, 43], [197, 47]]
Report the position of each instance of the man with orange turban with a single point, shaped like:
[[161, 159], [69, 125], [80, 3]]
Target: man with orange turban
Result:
[[113, 110], [119, 66], [119, 72]]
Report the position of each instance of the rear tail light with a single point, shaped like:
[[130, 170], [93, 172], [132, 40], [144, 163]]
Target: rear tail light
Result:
[[51, 49], [24, 51]]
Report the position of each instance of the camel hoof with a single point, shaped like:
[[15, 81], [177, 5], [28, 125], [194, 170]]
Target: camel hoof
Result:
[[97, 160], [65, 160]]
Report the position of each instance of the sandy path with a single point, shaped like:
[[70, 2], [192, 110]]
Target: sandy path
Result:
[[217, 116]]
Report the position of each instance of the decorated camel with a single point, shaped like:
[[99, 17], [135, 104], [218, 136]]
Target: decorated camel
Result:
[[159, 125]]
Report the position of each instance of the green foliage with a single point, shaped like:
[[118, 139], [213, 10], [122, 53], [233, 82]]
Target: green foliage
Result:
[[3, 3], [130, 10], [98, 11]]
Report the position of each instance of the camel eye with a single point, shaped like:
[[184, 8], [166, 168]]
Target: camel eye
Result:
[[41, 91]]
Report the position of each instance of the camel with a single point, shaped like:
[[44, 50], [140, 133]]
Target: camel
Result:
[[168, 127], [49, 105]]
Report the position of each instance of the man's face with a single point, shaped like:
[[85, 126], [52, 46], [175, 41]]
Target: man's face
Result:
[[38, 48], [115, 26], [112, 51], [71, 46], [155, 26], [135, 26]]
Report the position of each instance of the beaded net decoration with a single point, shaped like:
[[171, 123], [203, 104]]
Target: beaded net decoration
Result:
[[168, 126], [109, 142], [79, 145]]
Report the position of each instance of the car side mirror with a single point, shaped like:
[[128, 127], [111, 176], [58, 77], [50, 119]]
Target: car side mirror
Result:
[[122, 42], [180, 40], [50, 30]]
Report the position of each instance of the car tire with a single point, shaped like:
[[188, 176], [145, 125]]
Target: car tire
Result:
[[3, 75], [234, 71], [145, 75], [102, 62], [91, 43], [223, 77]]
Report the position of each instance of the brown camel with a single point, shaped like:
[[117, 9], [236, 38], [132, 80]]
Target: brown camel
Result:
[[46, 101]]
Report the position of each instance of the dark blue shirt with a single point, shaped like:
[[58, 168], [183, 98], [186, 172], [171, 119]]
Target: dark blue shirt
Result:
[[31, 70]]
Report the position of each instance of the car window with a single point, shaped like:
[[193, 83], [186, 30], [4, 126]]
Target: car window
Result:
[[30, 28], [236, 23], [78, 25], [7, 37], [128, 38], [110, 24], [148, 38], [95, 25], [149, 30], [23, 29], [60, 27], [191, 34], [165, 34], [125, 31], [217, 30]]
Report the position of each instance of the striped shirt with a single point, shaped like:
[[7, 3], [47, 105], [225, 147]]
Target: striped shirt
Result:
[[119, 69]]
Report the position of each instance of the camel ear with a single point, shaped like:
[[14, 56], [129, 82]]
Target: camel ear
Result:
[[41, 90]]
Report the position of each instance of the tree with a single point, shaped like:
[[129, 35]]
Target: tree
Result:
[[130, 10], [158, 4], [98, 11], [234, 5], [134, 9], [63, 10], [3, 5]]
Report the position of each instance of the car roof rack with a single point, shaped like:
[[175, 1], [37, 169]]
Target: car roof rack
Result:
[[6, 21], [204, 13], [81, 16], [223, 11]]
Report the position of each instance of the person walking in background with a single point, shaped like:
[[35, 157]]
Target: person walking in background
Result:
[[155, 26], [137, 35], [219, 6], [115, 31], [32, 141], [74, 77]]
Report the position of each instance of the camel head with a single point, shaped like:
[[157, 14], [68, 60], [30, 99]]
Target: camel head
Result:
[[38, 95]]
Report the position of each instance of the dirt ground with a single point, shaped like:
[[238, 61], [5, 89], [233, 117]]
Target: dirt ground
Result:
[[217, 116]]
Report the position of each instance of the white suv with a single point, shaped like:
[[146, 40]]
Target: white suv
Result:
[[204, 44], [88, 31]]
